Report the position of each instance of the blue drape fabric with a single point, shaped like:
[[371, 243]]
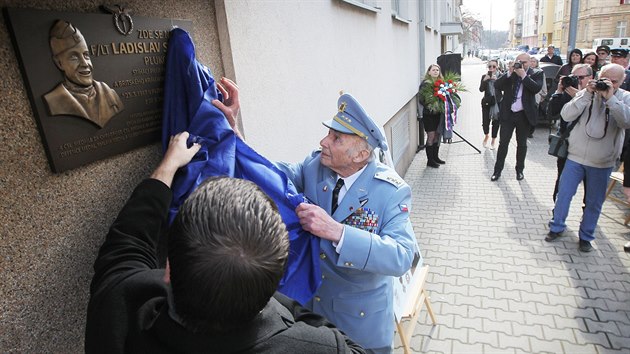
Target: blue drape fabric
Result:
[[189, 89]]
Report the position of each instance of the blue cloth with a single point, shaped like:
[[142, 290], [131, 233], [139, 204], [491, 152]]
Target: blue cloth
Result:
[[189, 89], [596, 184]]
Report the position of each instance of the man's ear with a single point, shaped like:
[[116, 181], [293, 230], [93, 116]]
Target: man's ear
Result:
[[361, 156], [167, 273]]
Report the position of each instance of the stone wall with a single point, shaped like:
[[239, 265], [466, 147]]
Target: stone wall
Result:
[[51, 225]]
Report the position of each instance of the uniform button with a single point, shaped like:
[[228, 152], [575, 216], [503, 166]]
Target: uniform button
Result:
[[318, 299], [323, 276], [348, 264], [362, 314], [322, 255]]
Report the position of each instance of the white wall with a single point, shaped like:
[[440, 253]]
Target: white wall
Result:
[[291, 58]]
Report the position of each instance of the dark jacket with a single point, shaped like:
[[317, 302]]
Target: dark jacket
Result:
[[557, 101], [532, 84], [554, 59], [129, 308]]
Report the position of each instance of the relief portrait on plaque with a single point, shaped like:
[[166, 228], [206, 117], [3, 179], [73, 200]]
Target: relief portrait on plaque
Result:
[[78, 94], [95, 81]]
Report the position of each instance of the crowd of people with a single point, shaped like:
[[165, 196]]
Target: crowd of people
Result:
[[590, 96]]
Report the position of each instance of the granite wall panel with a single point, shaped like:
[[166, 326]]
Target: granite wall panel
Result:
[[51, 225]]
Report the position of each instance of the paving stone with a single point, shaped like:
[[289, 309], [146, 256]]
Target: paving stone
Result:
[[527, 330], [606, 327], [572, 348], [591, 338], [545, 346], [620, 342], [568, 322], [467, 347], [506, 341]]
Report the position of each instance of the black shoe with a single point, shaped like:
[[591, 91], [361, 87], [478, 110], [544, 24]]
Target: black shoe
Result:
[[436, 150], [626, 247], [437, 159], [531, 136], [433, 164], [553, 236], [519, 176], [585, 246], [495, 177]]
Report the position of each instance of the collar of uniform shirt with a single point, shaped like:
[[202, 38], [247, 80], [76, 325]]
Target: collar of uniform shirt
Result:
[[347, 183]]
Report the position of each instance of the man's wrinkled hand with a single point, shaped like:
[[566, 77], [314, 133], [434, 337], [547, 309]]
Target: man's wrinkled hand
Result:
[[315, 220]]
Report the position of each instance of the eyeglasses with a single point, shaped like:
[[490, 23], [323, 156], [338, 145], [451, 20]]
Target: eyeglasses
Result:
[[491, 66], [582, 77]]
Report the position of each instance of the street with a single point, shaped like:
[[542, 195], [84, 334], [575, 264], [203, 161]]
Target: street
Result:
[[496, 286]]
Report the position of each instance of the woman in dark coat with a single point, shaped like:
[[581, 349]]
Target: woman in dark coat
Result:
[[431, 119], [574, 58], [488, 101]]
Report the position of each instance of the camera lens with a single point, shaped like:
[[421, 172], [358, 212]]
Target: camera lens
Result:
[[518, 65], [601, 85]]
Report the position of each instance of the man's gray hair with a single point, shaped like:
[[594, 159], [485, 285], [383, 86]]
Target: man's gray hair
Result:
[[589, 69]]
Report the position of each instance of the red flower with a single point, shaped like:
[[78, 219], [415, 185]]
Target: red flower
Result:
[[450, 81]]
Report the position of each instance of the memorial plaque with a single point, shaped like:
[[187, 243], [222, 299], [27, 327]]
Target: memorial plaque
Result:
[[95, 81]]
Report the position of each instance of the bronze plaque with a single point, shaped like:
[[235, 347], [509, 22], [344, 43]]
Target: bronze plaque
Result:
[[95, 81]]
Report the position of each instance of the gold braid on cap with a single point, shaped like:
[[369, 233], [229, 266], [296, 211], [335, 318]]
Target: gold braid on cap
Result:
[[353, 129]]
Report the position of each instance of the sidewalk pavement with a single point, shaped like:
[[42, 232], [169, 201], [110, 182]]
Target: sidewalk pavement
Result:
[[496, 286]]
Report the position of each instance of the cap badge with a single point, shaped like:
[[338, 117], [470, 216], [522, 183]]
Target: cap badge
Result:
[[342, 107]]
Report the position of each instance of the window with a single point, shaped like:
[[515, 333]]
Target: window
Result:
[[364, 4], [621, 28], [559, 10], [400, 10], [624, 2]]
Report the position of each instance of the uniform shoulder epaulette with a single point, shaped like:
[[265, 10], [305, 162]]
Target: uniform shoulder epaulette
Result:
[[391, 177]]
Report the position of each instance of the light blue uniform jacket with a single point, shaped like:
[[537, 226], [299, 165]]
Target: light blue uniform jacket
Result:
[[356, 290]]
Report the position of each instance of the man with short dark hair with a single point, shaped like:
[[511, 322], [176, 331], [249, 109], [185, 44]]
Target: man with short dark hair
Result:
[[227, 250], [517, 111], [551, 56], [594, 146]]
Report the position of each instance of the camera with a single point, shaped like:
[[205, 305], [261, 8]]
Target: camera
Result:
[[601, 85], [570, 81], [518, 65]]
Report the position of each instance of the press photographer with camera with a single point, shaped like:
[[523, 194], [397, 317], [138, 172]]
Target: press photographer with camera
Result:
[[517, 111], [602, 111], [568, 87]]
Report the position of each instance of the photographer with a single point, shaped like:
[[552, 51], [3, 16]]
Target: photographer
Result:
[[567, 88], [490, 100], [517, 111], [595, 142]]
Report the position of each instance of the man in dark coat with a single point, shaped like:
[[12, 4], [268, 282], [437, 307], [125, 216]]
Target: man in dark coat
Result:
[[551, 56], [517, 111], [227, 250]]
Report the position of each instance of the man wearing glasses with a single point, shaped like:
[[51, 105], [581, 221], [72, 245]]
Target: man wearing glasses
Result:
[[602, 112], [517, 111], [620, 56], [580, 77]]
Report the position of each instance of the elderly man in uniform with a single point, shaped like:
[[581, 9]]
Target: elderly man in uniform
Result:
[[78, 95], [360, 210]]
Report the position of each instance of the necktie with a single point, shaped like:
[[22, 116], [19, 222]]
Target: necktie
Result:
[[335, 194], [516, 88]]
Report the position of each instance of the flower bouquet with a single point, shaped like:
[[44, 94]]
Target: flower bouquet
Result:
[[442, 96]]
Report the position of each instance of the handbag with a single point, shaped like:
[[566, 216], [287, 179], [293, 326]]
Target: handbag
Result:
[[559, 143]]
